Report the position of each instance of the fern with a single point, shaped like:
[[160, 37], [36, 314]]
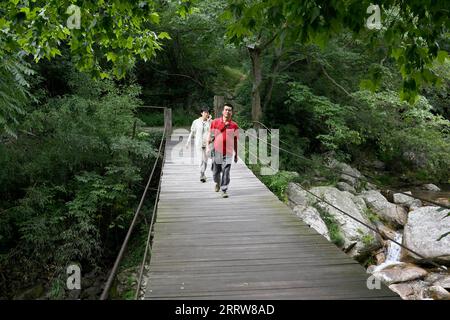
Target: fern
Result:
[[14, 92], [70, 188]]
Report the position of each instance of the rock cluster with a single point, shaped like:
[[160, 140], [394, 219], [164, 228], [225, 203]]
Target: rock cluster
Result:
[[411, 274]]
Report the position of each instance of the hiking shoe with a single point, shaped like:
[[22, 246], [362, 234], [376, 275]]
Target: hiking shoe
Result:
[[224, 194], [217, 187]]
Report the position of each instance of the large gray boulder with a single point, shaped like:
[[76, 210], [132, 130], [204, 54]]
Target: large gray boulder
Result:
[[436, 293], [297, 196], [431, 187], [425, 225], [432, 287], [407, 201], [370, 186], [377, 165], [344, 186], [300, 202], [398, 272], [358, 239], [393, 214], [411, 290], [311, 217], [359, 203], [348, 175], [444, 282]]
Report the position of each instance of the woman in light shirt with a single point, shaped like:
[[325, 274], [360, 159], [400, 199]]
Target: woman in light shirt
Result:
[[200, 129]]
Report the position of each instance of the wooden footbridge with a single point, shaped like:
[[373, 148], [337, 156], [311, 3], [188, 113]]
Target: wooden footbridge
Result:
[[247, 246]]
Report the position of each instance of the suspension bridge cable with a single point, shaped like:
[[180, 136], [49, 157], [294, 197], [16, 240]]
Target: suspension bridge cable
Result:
[[368, 226], [348, 174], [375, 230], [147, 246], [112, 275]]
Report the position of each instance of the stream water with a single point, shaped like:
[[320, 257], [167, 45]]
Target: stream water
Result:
[[394, 250], [442, 196]]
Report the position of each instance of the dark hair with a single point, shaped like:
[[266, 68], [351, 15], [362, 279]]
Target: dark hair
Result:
[[228, 105], [204, 109]]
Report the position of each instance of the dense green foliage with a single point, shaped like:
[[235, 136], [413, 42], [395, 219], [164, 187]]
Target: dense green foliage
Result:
[[71, 180], [410, 30], [13, 90], [197, 63], [319, 106], [102, 38], [109, 32]]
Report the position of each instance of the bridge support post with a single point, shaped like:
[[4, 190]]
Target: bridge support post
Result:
[[218, 105], [168, 120]]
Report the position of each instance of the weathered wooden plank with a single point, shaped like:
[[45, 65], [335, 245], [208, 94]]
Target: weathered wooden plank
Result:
[[160, 287], [351, 290], [256, 253], [240, 240], [233, 235], [285, 271], [222, 227], [206, 268]]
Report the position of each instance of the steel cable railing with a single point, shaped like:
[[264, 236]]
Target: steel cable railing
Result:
[[364, 179], [119, 257], [147, 246], [443, 268]]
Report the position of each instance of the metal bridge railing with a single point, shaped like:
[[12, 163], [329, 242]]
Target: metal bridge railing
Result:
[[113, 273]]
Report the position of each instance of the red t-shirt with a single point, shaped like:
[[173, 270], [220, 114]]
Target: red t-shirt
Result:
[[224, 138]]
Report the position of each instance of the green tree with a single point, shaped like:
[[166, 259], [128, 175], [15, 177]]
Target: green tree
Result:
[[14, 92], [197, 62], [69, 183], [411, 32], [104, 39], [109, 37]]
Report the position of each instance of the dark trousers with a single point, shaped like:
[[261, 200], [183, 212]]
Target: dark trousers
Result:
[[221, 169]]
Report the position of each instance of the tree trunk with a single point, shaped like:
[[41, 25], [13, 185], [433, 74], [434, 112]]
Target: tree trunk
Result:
[[218, 106], [274, 69], [255, 55]]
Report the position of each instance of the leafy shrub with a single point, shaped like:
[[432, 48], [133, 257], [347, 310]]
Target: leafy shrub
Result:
[[409, 138], [328, 120], [73, 190], [14, 90]]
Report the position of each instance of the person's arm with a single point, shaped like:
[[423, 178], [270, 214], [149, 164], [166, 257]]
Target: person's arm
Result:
[[209, 140], [208, 133], [236, 136], [191, 134]]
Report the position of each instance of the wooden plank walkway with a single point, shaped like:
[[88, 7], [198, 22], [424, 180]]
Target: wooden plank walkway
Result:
[[248, 246]]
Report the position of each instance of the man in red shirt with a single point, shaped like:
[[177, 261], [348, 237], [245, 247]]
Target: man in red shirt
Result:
[[224, 132]]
